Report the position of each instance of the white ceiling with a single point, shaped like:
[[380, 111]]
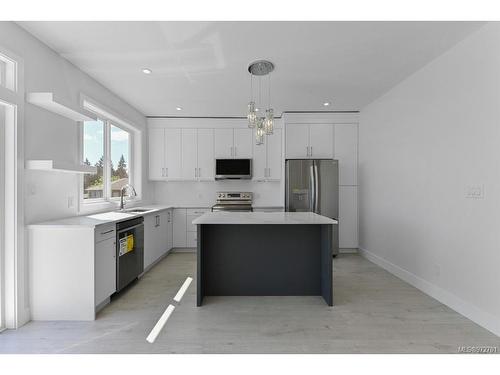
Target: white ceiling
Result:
[[202, 66]]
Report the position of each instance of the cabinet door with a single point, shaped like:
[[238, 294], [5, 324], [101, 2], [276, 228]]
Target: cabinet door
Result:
[[297, 141], [346, 152], [156, 154], [170, 229], [189, 154], [105, 269], [274, 156], [180, 227], [259, 160], [348, 217], [173, 155], [206, 159], [163, 225], [150, 230], [321, 141], [224, 143], [243, 143]]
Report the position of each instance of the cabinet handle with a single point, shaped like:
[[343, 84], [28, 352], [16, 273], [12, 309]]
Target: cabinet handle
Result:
[[235, 148], [195, 172], [108, 231], [311, 151], [199, 172], [307, 150], [166, 172]]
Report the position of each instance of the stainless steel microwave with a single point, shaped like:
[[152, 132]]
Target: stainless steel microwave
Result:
[[233, 169]]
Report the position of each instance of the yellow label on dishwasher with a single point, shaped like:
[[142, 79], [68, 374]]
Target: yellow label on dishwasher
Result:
[[126, 244]]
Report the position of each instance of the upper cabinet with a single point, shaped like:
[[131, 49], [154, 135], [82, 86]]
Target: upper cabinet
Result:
[[181, 154], [346, 152], [233, 143], [309, 141], [267, 158]]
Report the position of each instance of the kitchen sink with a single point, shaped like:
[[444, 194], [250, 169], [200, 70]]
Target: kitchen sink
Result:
[[136, 210]]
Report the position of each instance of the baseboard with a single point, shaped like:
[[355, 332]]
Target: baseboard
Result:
[[348, 251], [484, 319]]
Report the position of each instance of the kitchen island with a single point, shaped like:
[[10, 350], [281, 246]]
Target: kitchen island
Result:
[[264, 254]]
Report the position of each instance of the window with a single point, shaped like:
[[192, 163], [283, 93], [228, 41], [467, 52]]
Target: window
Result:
[[120, 146], [93, 154], [107, 147], [8, 74]]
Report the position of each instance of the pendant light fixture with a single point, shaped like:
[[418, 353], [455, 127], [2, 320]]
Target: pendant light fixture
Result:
[[264, 124]]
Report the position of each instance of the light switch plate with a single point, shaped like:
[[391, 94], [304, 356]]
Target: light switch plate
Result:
[[475, 192]]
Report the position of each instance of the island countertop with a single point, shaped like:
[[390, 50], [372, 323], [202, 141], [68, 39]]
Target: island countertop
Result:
[[223, 217]]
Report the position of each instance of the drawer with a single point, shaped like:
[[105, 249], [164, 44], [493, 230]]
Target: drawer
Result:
[[197, 211], [191, 239], [105, 232]]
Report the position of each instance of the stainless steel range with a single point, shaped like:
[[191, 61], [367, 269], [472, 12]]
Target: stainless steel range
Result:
[[233, 201]]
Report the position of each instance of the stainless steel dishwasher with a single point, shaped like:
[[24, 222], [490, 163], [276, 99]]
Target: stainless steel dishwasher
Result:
[[129, 251]]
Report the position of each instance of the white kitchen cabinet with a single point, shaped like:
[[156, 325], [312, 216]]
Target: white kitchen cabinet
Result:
[[233, 143], [206, 157], [346, 152], [309, 141], [157, 236], [191, 229], [242, 143], [274, 155], [105, 269], [348, 217], [321, 141], [297, 141], [189, 154], [156, 153], [267, 158], [179, 227], [170, 228], [173, 154], [224, 143]]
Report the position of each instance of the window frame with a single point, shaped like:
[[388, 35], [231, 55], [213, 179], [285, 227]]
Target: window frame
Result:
[[107, 194]]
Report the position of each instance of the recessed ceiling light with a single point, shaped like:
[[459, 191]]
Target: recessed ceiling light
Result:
[[326, 104], [178, 108], [147, 71]]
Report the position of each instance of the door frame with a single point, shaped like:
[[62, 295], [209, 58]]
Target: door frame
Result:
[[14, 262]]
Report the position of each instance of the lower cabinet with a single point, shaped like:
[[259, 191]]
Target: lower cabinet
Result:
[[157, 236], [105, 269], [184, 230]]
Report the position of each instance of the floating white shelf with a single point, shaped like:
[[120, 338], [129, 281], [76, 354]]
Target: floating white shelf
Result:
[[59, 166], [50, 102]]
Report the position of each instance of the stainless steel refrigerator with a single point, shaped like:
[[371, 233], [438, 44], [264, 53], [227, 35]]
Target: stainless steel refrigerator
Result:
[[312, 185]]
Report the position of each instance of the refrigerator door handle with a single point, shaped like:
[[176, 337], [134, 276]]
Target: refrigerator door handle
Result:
[[316, 189], [312, 189]]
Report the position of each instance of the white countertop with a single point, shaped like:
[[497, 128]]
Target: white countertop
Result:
[[224, 217], [91, 221]]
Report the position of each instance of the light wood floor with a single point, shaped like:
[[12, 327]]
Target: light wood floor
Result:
[[374, 312]]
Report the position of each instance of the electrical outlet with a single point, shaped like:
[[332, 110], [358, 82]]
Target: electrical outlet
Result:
[[71, 201], [31, 189], [475, 192]]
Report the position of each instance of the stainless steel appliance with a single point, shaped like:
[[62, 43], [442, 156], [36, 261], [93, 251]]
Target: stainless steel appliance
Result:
[[312, 185], [129, 251], [233, 201], [233, 169]]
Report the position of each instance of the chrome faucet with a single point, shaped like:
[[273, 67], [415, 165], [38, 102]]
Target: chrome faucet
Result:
[[123, 190]]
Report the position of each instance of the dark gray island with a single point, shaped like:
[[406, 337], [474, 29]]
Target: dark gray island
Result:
[[264, 254]]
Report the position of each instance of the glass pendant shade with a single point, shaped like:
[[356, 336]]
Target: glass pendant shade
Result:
[[259, 132], [269, 122], [252, 115]]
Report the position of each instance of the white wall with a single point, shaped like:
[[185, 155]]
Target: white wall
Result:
[[421, 146], [50, 136]]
